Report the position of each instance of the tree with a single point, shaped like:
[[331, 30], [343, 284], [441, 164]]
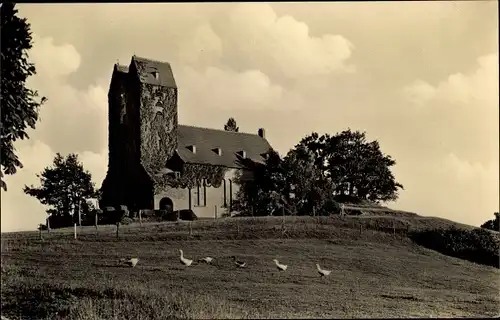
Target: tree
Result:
[[311, 189], [20, 105], [493, 224], [263, 193], [231, 125], [356, 168], [64, 187]]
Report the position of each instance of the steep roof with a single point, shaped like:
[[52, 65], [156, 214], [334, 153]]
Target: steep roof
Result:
[[147, 67], [230, 143]]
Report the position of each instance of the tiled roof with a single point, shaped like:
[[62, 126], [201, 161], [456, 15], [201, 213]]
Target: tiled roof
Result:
[[231, 144], [147, 69]]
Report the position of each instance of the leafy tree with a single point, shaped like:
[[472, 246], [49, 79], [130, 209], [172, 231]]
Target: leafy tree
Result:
[[354, 166], [493, 224], [20, 105], [306, 181], [64, 186], [263, 193], [231, 125]]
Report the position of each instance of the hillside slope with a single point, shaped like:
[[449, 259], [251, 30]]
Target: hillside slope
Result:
[[374, 274]]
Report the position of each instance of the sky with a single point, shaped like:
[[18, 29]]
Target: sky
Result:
[[420, 77]]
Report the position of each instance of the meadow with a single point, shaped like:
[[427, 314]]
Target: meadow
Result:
[[377, 271]]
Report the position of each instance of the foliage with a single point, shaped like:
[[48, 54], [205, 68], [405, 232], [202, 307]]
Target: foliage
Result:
[[354, 166], [192, 175], [158, 128], [64, 186], [306, 181], [263, 194], [477, 245], [20, 105], [493, 224], [231, 125]]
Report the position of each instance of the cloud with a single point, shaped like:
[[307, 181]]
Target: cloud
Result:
[[481, 86], [457, 121], [228, 89], [449, 187], [201, 46], [461, 111], [279, 45], [72, 120]]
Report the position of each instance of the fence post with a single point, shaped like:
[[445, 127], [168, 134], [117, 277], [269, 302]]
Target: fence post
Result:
[[393, 228], [40, 232], [140, 217], [96, 222], [360, 227], [283, 222], [74, 229], [215, 211], [48, 225], [117, 230], [190, 228]]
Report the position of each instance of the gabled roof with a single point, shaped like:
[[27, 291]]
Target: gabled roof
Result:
[[231, 144], [147, 67]]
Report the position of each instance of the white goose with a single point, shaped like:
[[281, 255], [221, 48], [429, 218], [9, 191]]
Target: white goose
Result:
[[322, 272], [186, 262], [130, 262], [240, 264], [207, 259], [281, 267]]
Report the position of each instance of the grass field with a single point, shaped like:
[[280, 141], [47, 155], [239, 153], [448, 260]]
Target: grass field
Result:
[[374, 273]]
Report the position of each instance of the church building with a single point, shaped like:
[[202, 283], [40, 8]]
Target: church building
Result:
[[156, 163]]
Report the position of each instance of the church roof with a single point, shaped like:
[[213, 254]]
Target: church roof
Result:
[[232, 146], [147, 68]]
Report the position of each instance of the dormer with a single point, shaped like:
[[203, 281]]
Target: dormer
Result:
[[192, 148], [156, 75], [243, 154], [218, 151]]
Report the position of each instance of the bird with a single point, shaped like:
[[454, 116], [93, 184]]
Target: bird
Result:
[[207, 259], [281, 267], [130, 262], [186, 262], [240, 264], [322, 272]]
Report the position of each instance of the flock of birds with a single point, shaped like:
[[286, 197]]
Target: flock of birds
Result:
[[241, 264]]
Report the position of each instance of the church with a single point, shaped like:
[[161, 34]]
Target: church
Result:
[[155, 163]]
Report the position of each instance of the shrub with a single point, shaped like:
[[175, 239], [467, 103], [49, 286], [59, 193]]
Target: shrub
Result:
[[187, 214], [477, 245], [126, 220]]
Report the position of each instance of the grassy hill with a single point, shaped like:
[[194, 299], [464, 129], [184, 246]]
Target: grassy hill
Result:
[[378, 270]]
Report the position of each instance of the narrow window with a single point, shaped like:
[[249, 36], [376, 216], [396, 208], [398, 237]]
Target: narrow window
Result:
[[230, 195], [198, 194], [225, 199], [204, 192]]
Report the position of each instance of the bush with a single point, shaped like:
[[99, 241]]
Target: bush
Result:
[[187, 214], [126, 220], [57, 221], [478, 245]]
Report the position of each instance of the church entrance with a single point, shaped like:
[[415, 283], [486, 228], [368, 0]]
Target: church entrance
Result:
[[167, 204]]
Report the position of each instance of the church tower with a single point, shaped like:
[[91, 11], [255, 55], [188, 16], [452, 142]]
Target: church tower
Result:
[[142, 131]]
